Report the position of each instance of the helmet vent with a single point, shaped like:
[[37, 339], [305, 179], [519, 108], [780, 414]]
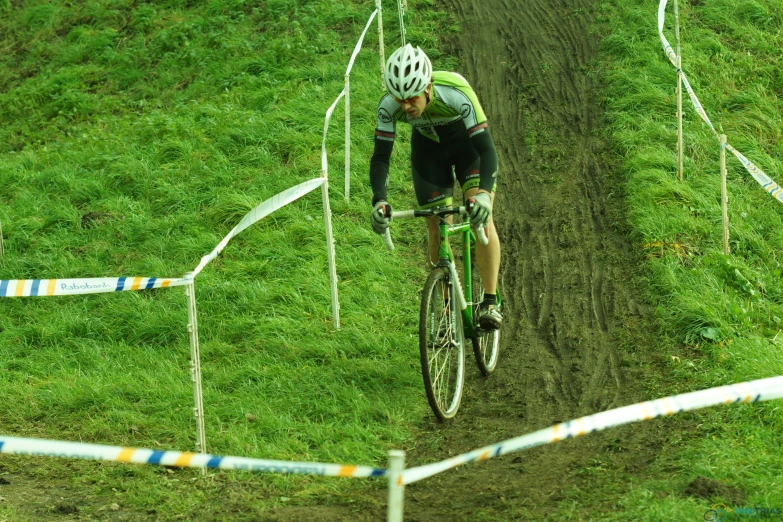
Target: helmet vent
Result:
[[407, 72]]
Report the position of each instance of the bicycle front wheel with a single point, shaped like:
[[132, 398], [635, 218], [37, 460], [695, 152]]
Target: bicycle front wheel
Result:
[[442, 344], [486, 344]]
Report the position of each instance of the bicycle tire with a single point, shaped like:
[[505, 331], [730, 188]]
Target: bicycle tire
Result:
[[441, 345], [486, 344]]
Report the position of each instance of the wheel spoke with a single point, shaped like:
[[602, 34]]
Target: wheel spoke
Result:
[[441, 346], [440, 372]]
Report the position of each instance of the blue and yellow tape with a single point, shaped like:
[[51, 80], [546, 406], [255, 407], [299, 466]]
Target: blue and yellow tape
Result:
[[753, 391], [78, 450], [94, 285]]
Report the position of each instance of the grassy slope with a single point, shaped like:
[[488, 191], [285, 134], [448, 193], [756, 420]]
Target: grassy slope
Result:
[[721, 316], [134, 137]]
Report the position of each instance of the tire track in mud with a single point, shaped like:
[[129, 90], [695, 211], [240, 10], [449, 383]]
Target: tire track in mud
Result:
[[565, 268], [531, 72]]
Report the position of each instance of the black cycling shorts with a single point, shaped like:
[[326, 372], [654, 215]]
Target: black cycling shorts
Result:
[[435, 165]]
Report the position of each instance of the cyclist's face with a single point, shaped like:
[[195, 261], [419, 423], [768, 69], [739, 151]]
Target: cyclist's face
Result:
[[415, 105]]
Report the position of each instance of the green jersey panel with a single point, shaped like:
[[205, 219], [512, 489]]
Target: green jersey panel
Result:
[[453, 99]]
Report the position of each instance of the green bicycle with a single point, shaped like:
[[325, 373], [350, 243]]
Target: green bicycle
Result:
[[448, 316]]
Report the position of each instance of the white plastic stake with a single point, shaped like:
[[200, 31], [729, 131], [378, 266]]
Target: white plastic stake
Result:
[[679, 119], [396, 487], [724, 195], [347, 138], [380, 36], [330, 254], [195, 369], [401, 7], [679, 92]]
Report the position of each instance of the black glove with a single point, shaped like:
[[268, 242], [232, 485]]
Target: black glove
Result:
[[380, 217], [480, 209]]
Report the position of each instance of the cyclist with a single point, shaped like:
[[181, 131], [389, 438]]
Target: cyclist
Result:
[[449, 132]]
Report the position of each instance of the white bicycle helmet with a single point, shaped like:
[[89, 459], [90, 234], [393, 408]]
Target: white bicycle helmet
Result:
[[408, 72]]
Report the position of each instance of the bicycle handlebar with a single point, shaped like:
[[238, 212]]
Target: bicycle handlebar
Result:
[[407, 214]]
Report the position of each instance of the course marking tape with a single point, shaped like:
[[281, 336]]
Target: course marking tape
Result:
[[91, 285], [775, 190], [264, 209], [697, 104], [765, 181], [666, 47], [327, 119], [96, 285], [78, 450], [753, 391], [330, 110], [358, 45]]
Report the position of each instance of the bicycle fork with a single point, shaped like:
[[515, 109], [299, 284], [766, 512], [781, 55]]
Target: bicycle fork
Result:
[[463, 304]]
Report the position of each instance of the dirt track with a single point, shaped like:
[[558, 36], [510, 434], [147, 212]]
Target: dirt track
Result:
[[566, 289], [576, 341], [566, 271]]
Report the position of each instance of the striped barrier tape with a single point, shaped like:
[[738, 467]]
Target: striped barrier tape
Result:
[[753, 391], [97, 285], [667, 49], [92, 285], [697, 104], [78, 450], [672, 56], [765, 181], [264, 209]]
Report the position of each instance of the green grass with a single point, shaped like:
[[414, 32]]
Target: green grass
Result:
[[134, 137], [720, 315]]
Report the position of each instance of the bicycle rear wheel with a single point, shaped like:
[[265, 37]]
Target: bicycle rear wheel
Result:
[[486, 343], [441, 344]]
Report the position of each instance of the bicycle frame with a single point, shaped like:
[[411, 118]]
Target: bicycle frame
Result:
[[442, 350], [446, 258]]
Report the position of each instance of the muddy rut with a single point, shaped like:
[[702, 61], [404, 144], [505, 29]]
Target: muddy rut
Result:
[[565, 292], [576, 337]]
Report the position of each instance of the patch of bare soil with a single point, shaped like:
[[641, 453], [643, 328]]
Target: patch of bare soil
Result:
[[31, 498]]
